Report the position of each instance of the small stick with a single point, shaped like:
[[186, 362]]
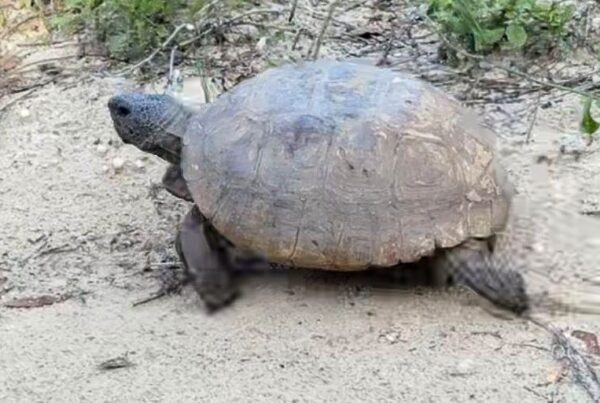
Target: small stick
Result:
[[17, 99], [386, 52], [326, 23], [172, 62], [293, 11], [22, 67], [533, 119], [296, 38], [25, 93], [150, 298], [226, 23], [10, 30]]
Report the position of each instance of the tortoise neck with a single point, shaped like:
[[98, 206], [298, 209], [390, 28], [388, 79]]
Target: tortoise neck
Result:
[[168, 147], [169, 140]]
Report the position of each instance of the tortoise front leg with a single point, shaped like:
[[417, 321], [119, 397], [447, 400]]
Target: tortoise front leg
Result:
[[206, 259], [474, 266], [175, 184]]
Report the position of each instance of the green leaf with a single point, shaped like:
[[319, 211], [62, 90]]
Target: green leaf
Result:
[[489, 37], [588, 125], [516, 35]]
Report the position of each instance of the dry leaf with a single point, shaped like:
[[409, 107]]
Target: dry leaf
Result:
[[559, 372], [590, 340], [34, 302]]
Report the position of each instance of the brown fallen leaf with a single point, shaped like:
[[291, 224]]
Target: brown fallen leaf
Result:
[[590, 340], [35, 302], [559, 372], [8, 62]]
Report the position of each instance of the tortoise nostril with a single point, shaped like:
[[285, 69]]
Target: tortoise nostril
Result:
[[123, 110]]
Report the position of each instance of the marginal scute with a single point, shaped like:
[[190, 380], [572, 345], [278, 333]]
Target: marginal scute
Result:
[[342, 166]]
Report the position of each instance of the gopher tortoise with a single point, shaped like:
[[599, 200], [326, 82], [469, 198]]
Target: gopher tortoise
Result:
[[332, 165]]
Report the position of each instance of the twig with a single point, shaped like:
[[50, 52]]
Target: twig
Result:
[[206, 7], [25, 93], [49, 60], [156, 51], [226, 23], [171, 77], [383, 60], [293, 11], [150, 298], [296, 38], [54, 44], [317, 45], [172, 62], [167, 288], [533, 119], [17, 99], [9, 31]]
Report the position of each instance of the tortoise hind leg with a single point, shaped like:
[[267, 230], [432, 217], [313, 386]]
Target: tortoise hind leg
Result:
[[474, 265], [206, 260], [175, 184]]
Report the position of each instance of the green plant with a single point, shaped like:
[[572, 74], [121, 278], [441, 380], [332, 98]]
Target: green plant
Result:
[[128, 28], [589, 126], [483, 25]]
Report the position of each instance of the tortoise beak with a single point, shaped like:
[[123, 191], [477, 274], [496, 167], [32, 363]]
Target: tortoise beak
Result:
[[119, 107]]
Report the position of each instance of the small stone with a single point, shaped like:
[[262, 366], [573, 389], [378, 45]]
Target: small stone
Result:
[[538, 247], [24, 113], [473, 197], [390, 336], [118, 163], [572, 144], [105, 169], [102, 149], [595, 280], [261, 45], [139, 164], [464, 367]]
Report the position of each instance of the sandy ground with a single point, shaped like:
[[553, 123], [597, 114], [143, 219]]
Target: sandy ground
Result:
[[85, 218]]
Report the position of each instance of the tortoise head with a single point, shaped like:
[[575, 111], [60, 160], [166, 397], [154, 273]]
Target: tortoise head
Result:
[[153, 123]]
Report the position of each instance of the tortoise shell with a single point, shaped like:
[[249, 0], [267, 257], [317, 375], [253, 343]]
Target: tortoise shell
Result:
[[343, 166]]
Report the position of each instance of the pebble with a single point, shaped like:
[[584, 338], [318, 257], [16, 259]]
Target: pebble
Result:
[[118, 163], [572, 144], [390, 336], [465, 366], [139, 164], [261, 45], [102, 149], [24, 113]]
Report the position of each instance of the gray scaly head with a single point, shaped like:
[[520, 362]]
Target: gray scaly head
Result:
[[153, 123]]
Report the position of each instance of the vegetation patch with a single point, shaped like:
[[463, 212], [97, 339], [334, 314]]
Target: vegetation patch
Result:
[[482, 26], [129, 29]]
